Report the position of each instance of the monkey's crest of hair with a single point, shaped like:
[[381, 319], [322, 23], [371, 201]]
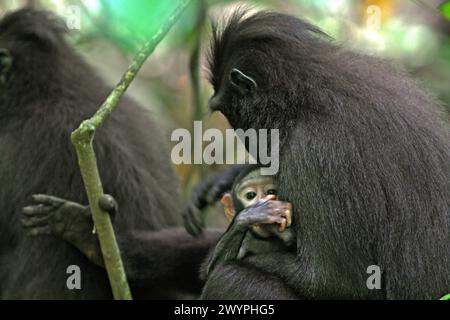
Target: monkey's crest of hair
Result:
[[244, 26]]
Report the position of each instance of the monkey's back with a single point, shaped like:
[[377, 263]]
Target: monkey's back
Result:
[[370, 171]]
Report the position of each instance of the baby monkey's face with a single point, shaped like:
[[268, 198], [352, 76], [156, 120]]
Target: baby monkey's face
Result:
[[253, 190]]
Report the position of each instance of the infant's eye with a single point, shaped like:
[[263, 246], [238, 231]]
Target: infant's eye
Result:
[[272, 191], [250, 195]]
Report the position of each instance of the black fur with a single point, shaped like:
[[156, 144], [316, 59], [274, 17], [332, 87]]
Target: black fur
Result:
[[51, 90], [206, 193], [364, 160]]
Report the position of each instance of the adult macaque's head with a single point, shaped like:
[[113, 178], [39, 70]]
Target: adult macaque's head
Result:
[[33, 51], [262, 67]]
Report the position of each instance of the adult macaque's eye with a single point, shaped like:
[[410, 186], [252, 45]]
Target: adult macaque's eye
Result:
[[272, 191], [250, 195]]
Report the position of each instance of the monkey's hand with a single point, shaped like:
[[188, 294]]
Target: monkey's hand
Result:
[[265, 211], [207, 193], [68, 220]]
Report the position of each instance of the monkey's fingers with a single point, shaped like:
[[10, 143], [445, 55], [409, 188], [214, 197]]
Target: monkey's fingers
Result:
[[109, 204], [281, 204], [192, 228], [277, 219], [40, 231], [283, 225], [277, 211], [37, 210], [288, 215], [192, 222], [31, 222], [284, 210], [48, 200], [267, 201], [214, 194]]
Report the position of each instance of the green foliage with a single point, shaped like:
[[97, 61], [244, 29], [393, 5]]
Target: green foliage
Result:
[[132, 21], [446, 297], [445, 9]]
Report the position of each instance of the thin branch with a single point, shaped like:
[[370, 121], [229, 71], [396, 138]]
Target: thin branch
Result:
[[194, 64], [83, 137], [194, 71]]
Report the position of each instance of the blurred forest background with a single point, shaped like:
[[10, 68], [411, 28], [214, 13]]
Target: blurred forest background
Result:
[[414, 33]]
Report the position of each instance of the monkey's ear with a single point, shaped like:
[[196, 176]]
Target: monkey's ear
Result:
[[228, 208], [241, 82]]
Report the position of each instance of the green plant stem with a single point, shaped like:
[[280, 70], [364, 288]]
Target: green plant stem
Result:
[[83, 138]]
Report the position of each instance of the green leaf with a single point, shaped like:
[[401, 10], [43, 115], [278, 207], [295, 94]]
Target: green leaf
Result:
[[446, 297]]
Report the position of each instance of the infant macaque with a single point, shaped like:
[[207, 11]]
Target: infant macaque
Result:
[[259, 221]]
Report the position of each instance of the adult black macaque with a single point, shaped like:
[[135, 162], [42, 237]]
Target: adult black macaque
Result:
[[364, 160], [46, 90]]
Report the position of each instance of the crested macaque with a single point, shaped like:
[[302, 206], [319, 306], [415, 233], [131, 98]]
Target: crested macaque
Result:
[[46, 90], [259, 222], [364, 160]]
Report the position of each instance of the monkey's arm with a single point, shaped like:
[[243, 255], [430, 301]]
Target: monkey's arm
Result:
[[168, 256], [238, 279], [265, 211], [207, 193]]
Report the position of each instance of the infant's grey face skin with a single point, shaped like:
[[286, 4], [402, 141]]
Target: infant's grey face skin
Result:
[[256, 189]]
